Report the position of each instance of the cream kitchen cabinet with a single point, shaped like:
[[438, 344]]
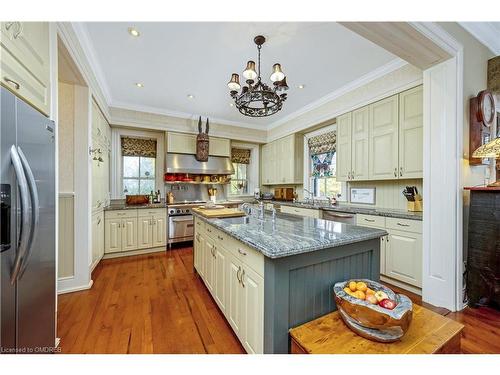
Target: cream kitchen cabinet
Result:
[[181, 143], [152, 231], [344, 142], [400, 250], [352, 145], [411, 142], [282, 161], [97, 238], [113, 235], [25, 62], [233, 273], [100, 156], [383, 140], [144, 232], [309, 212]]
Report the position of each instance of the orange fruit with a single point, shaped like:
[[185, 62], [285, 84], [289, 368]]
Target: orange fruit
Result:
[[352, 286], [359, 294], [369, 291], [347, 290], [361, 286]]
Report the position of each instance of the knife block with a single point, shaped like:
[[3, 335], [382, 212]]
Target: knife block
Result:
[[417, 205]]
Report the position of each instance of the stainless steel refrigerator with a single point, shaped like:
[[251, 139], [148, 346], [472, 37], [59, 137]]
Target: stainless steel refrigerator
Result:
[[27, 272]]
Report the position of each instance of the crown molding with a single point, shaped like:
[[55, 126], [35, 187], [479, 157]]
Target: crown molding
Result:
[[361, 81], [88, 48], [181, 115], [485, 32]]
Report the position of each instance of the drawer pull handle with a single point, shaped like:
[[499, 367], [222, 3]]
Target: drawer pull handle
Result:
[[12, 83], [220, 238], [242, 252], [403, 225], [370, 220], [238, 274]]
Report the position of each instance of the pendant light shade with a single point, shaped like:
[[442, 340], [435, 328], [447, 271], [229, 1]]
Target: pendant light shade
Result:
[[250, 72], [281, 85], [277, 74], [234, 83]]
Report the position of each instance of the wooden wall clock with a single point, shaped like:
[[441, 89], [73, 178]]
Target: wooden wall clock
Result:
[[481, 117]]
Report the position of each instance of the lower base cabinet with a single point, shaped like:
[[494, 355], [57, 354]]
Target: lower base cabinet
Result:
[[400, 250], [224, 264], [128, 230], [97, 238]]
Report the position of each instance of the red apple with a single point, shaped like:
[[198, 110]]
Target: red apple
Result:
[[387, 304]]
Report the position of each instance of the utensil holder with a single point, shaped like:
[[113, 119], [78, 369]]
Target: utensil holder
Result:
[[417, 205]]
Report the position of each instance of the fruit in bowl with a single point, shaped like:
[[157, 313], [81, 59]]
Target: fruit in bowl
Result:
[[377, 313]]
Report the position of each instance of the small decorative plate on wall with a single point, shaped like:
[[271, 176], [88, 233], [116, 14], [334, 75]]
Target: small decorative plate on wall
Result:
[[363, 195]]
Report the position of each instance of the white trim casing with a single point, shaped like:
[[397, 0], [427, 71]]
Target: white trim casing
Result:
[[486, 32]]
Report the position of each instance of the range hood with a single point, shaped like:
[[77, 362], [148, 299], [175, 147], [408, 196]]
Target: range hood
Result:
[[185, 163]]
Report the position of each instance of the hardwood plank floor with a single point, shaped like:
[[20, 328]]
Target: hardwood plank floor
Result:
[[150, 303], [155, 303]]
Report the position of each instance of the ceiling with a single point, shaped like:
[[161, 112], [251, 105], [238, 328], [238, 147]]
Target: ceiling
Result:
[[176, 59]]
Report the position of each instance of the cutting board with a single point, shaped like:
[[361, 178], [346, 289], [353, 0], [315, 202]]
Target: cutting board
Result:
[[219, 213]]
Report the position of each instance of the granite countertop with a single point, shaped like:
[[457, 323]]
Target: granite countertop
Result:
[[123, 206], [290, 234], [387, 212]]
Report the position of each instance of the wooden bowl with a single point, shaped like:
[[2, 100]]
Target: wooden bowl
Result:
[[373, 321]]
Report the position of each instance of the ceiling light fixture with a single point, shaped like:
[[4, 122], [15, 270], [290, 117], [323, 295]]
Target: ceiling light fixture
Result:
[[257, 99], [301, 86], [140, 85], [133, 31], [190, 96]]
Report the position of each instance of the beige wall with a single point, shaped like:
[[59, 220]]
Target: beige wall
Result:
[[66, 123]]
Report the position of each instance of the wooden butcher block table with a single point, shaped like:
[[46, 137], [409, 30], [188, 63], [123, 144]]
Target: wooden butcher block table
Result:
[[429, 333], [219, 213]]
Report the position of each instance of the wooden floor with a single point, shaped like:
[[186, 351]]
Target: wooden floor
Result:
[[155, 304], [144, 304]]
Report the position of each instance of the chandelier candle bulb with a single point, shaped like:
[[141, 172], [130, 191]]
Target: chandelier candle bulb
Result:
[[277, 74]]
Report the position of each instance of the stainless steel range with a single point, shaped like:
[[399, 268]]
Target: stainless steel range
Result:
[[180, 221]]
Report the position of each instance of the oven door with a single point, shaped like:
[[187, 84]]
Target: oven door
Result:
[[180, 226]]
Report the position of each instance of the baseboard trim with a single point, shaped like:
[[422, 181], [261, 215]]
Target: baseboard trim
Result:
[[134, 252], [76, 288], [402, 285]]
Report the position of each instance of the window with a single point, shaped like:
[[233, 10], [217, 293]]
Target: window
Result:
[[323, 181], [138, 175], [239, 180]]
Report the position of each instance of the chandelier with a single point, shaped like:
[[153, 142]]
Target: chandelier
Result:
[[257, 99]]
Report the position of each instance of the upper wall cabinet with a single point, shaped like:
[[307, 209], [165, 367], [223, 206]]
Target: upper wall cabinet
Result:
[[282, 161], [180, 143], [382, 141], [25, 62]]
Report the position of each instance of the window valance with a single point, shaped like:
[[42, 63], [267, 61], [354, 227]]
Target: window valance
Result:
[[326, 142], [240, 155], [139, 147]]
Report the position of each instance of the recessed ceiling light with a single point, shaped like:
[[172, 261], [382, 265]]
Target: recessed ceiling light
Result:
[[231, 104], [133, 31], [301, 86], [190, 96], [140, 85]]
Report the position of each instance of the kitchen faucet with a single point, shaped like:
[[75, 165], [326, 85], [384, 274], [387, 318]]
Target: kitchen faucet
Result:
[[311, 195]]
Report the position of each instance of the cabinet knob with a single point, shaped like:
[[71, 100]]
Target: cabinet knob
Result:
[[242, 252], [396, 172], [401, 171]]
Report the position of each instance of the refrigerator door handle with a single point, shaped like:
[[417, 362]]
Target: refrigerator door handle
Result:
[[35, 210], [25, 219]]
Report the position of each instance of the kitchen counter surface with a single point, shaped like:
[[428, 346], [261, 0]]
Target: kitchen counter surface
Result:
[[123, 206], [387, 212], [290, 234]]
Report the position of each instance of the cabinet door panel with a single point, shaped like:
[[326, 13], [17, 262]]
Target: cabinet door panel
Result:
[[144, 233], [383, 145], [95, 238], [220, 277], [113, 236], [209, 265], [252, 310], [159, 231], [344, 147], [404, 257], [219, 147], [360, 131], [411, 133], [129, 234], [234, 296]]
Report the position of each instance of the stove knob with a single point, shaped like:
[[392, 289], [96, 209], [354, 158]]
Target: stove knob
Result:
[[187, 210], [171, 211], [178, 211]]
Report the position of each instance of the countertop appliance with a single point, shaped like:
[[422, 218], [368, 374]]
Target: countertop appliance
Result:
[[340, 217], [28, 275], [180, 221]]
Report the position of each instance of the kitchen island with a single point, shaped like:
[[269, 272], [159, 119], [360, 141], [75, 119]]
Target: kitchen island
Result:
[[268, 275]]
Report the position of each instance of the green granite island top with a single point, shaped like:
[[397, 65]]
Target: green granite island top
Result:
[[291, 235]]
